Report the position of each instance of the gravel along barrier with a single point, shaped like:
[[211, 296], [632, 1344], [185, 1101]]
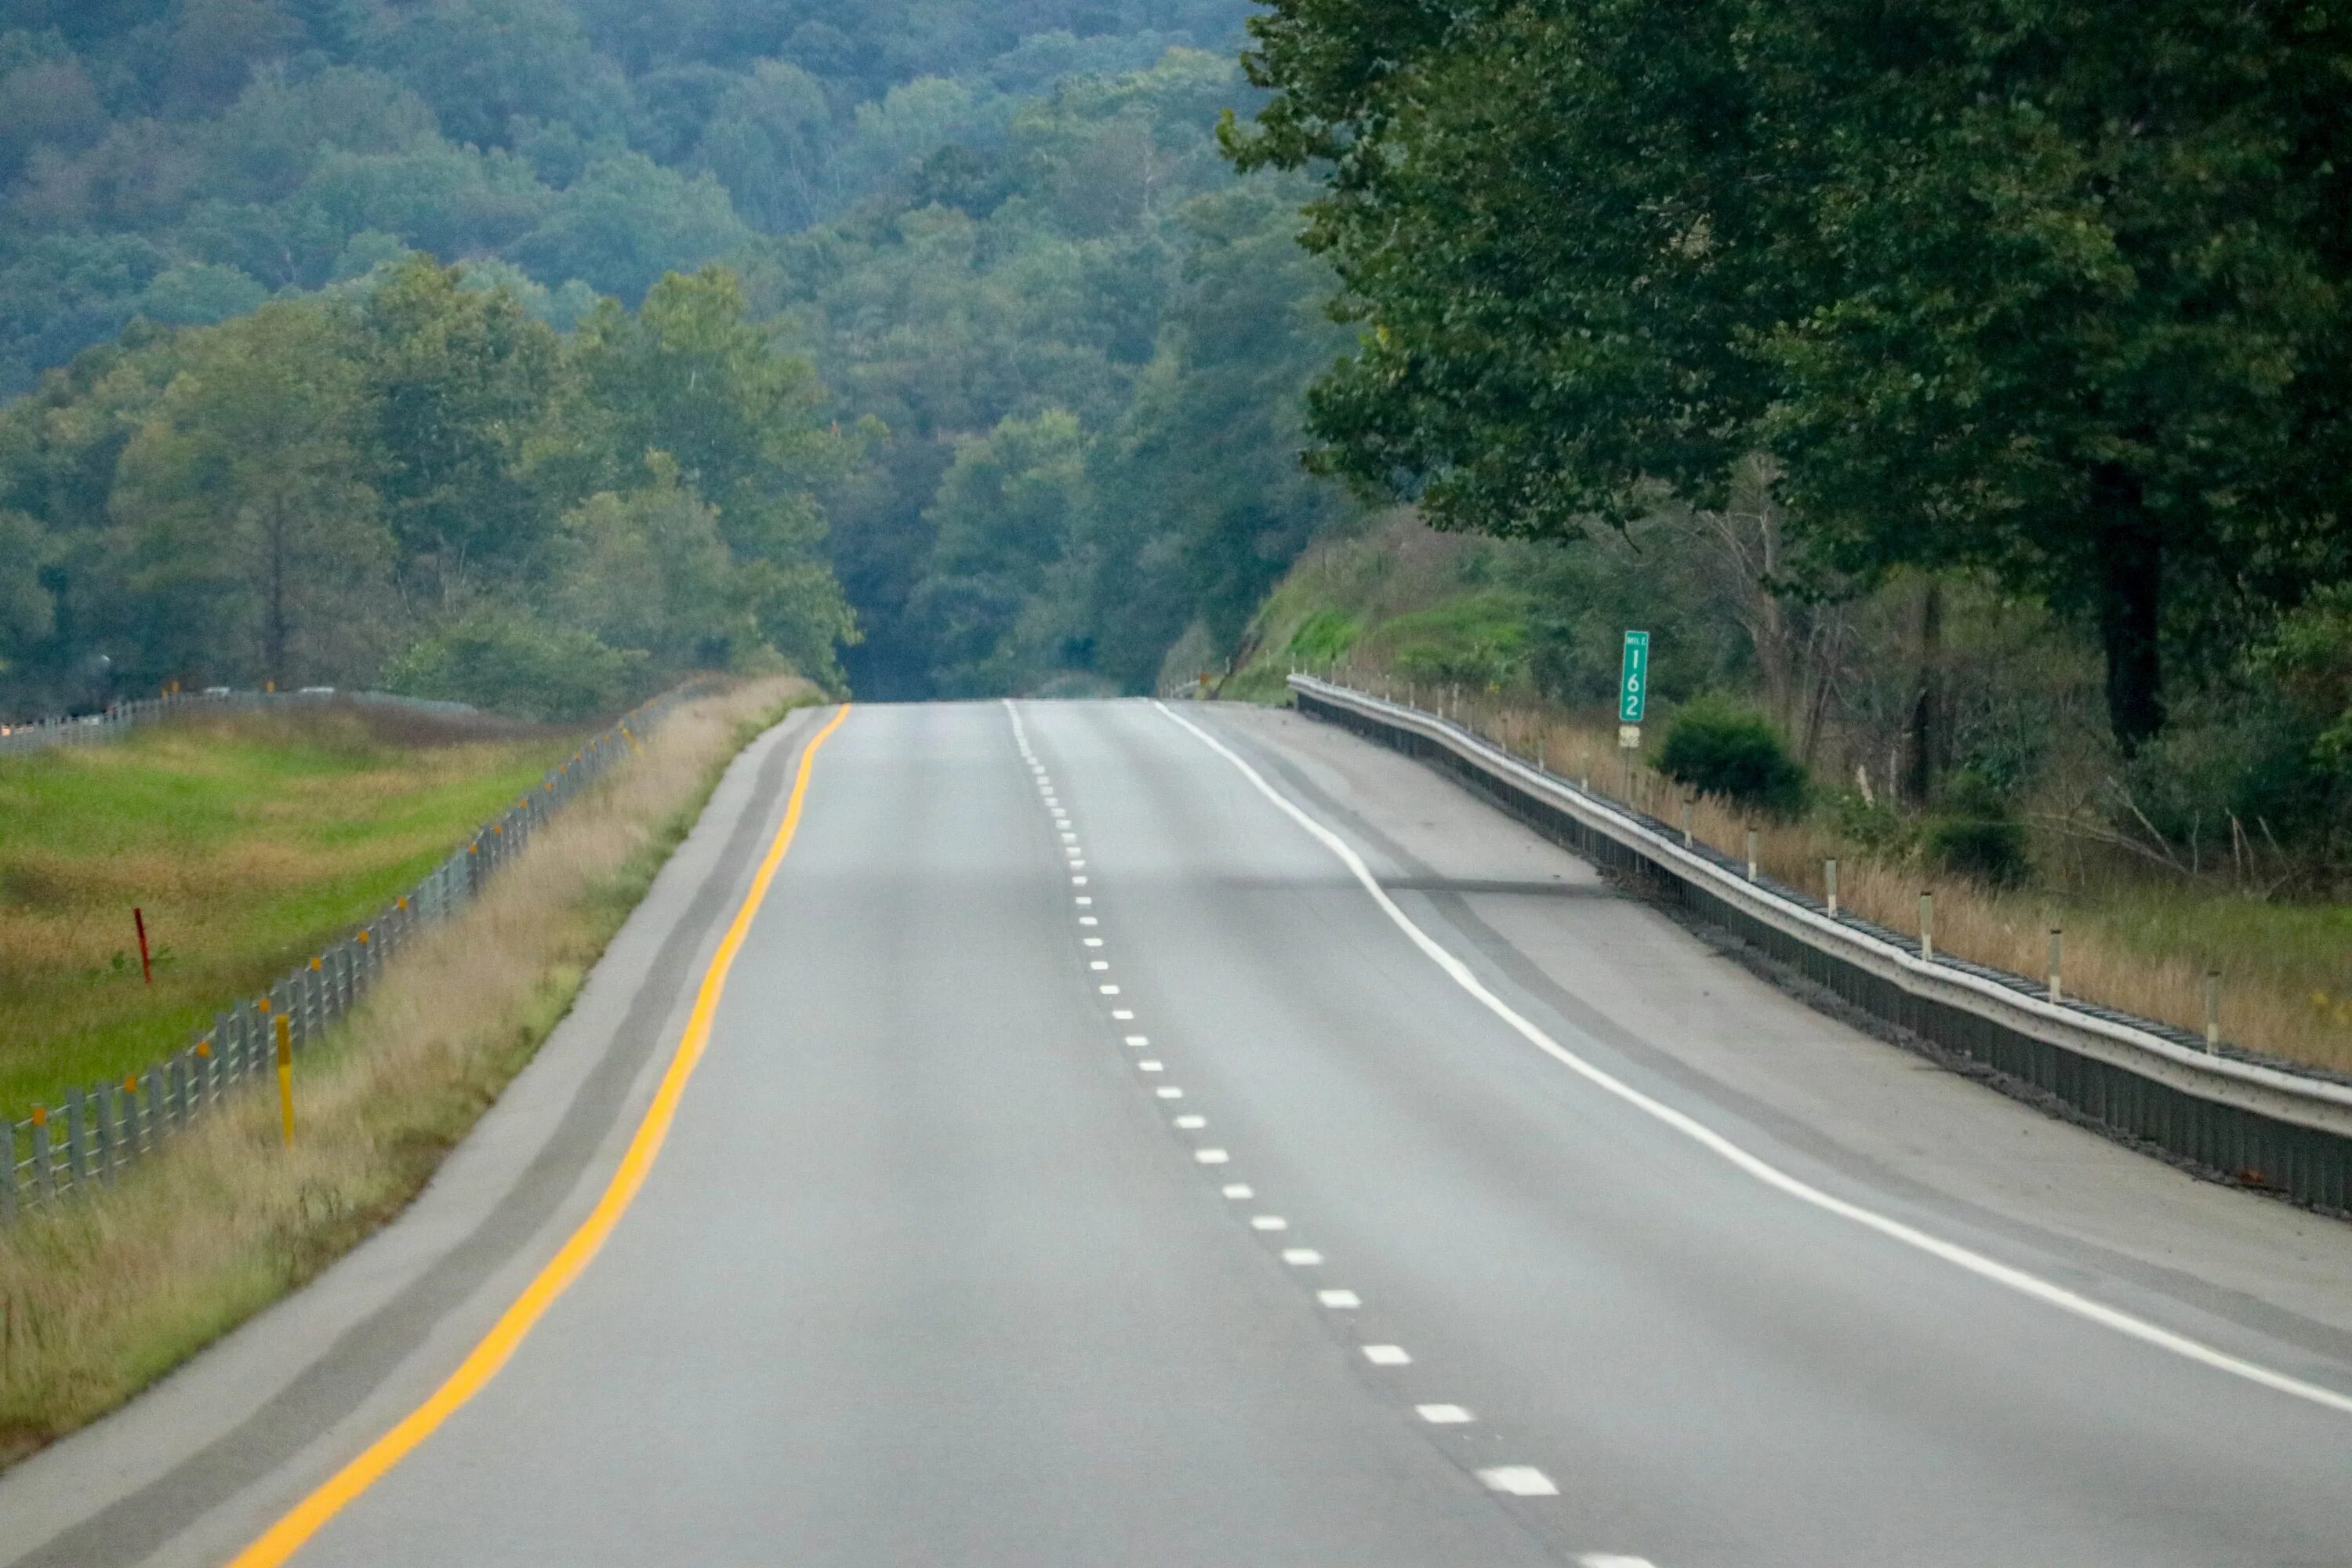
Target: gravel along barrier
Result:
[[2251, 1118], [104, 1128]]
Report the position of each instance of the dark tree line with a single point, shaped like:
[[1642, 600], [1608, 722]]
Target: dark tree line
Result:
[[2047, 290], [420, 484]]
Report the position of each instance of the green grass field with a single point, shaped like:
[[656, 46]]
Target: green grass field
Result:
[[248, 842]]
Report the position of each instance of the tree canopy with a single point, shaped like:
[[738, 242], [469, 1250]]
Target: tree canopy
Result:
[[2054, 291], [423, 479]]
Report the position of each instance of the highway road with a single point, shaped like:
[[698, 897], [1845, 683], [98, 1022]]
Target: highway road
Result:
[[1085, 1166]]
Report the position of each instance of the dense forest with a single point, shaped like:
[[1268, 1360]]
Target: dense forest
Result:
[[1027, 350]]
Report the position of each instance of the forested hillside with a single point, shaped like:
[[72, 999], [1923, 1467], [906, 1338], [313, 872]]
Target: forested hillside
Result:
[[1032, 350]]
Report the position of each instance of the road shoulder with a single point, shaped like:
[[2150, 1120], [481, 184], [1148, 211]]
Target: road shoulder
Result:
[[1828, 1100], [194, 1468]]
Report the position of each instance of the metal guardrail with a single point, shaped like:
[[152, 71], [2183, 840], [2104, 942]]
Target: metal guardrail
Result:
[[2249, 1117], [101, 1129], [96, 729]]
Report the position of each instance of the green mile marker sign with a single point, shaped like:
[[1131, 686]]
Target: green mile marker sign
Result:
[[1634, 680]]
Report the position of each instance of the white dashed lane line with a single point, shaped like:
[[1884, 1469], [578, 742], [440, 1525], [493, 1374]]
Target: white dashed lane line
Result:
[[1611, 1560], [1519, 1480], [1512, 1481]]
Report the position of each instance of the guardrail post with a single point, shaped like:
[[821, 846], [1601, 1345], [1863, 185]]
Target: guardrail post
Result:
[[2213, 1009], [2057, 964], [1928, 928], [44, 1178], [1829, 880], [101, 1133], [1751, 854]]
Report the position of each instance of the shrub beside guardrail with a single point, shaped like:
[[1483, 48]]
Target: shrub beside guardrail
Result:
[[2249, 1117], [100, 1130]]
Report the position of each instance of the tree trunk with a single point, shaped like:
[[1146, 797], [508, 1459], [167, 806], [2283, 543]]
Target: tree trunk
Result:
[[1925, 742], [2131, 584], [276, 633]]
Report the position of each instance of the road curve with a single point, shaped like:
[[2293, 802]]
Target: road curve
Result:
[[1085, 1168]]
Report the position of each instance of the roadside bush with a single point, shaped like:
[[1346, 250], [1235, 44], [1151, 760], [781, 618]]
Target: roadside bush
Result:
[[2224, 772], [1977, 835], [1719, 748], [1873, 826], [512, 663]]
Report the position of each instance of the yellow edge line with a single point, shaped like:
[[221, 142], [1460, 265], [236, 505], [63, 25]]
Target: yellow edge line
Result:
[[286, 1537]]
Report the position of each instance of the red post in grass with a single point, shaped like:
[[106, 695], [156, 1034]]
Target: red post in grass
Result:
[[145, 967]]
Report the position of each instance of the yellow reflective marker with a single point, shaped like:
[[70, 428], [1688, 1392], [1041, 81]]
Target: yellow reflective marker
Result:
[[283, 1538], [286, 1076]]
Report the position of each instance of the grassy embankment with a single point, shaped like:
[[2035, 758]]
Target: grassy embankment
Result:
[[100, 1297], [248, 841], [2136, 938]]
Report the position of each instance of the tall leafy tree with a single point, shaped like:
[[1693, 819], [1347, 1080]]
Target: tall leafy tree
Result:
[[2051, 290], [2081, 312], [689, 375], [1006, 521], [453, 381], [247, 532]]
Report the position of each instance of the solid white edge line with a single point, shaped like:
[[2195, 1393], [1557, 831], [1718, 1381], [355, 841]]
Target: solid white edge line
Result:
[[2014, 1278]]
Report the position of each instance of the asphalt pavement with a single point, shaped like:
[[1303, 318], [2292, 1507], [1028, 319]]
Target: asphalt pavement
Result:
[[1085, 1167]]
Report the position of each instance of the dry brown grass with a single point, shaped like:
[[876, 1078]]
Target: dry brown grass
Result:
[[100, 1297], [2268, 1004]]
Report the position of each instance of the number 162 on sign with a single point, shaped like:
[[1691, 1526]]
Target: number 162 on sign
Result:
[[1634, 689]]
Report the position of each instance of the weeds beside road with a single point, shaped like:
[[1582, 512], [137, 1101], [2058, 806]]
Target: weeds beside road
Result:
[[100, 1297], [2285, 970]]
